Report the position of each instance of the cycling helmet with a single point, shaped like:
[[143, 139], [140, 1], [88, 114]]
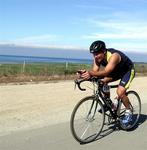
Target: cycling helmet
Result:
[[97, 46]]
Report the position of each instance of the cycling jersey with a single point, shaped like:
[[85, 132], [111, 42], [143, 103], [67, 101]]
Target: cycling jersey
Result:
[[124, 70]]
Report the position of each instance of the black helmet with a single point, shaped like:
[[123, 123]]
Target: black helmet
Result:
[[97, 46]]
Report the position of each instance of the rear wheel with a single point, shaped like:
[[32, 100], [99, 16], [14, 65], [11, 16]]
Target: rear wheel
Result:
[[86, 122], [135, 105]]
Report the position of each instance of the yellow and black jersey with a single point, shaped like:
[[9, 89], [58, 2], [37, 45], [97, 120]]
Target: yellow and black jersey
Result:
[[125, 62], [124, 70]]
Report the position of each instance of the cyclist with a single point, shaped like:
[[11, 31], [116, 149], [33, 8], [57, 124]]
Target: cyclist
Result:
[[116, 66]]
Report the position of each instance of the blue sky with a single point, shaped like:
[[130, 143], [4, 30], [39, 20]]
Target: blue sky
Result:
[[74, 24]]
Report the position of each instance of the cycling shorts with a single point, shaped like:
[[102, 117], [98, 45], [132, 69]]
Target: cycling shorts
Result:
[[125, 77]]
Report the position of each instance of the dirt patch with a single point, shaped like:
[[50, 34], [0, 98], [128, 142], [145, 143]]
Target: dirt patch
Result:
[[30, 78], [21, 78]]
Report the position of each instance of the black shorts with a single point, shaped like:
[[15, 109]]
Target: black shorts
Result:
[[126, 77]]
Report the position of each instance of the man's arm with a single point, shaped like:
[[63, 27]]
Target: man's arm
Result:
[[114, 60], [95, 66]]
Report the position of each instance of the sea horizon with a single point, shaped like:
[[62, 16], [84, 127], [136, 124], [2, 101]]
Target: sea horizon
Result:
[[15, 59]]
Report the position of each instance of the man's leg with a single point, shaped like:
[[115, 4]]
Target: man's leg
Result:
[[123, 85], [121, 92]]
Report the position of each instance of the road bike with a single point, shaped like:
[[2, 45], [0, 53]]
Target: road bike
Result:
[[89, 115]]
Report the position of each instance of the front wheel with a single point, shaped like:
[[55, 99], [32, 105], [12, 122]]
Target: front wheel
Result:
[[135, 105], [86, 121]]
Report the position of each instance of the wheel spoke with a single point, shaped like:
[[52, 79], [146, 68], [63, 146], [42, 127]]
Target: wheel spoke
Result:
[[85, 131], [86, 121]]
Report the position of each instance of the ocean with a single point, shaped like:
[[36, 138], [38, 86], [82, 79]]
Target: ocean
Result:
[[13, 59]]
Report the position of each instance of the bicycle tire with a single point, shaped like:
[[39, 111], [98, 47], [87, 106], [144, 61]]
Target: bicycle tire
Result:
[[135, 105], [92, 119]]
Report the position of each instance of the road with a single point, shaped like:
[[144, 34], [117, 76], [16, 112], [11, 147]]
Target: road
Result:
[[36, 117], [58, 137]]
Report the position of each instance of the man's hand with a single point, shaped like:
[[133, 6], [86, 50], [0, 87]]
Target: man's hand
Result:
[[85, 75], [79, 73]]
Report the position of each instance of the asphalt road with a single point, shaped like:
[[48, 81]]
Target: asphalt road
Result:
[[58, 137]]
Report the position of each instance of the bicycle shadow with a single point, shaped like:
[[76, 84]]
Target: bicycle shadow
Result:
[[109, 129], [105, 132], [116, 127]]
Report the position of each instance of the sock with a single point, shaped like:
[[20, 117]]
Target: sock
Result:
[[128, 111]]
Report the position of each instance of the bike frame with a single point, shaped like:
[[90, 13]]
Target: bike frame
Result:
[[100, 95]]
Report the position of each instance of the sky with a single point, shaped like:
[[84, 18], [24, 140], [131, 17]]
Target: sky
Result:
[[74, 24]]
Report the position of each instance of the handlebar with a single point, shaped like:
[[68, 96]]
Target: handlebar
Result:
[[79, 81], [93, 79]]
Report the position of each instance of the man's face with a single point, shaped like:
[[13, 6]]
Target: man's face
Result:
[[98, 56]]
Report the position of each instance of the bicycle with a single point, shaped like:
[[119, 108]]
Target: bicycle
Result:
[[87, 121]]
